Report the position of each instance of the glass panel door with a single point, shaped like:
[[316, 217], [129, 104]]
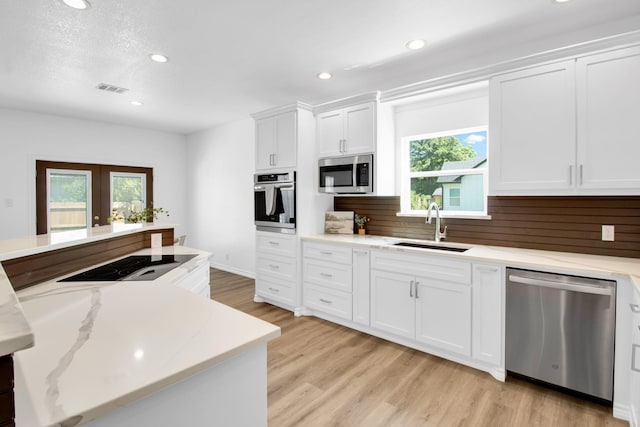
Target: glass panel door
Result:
[[69, 199], [128, 194]]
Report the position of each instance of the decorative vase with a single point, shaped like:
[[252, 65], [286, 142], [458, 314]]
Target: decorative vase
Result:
[[361, 231]]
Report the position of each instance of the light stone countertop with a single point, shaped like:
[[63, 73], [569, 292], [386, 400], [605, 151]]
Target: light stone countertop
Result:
[[101, 345], [561, 262], [31, 245]]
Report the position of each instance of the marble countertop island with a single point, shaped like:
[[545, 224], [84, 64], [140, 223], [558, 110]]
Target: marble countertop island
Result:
[[100, 346]]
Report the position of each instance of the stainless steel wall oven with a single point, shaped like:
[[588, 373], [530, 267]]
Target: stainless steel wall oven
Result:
[[275, 202]]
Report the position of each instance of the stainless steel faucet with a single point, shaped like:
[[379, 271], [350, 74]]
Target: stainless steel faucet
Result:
[[438, 235]]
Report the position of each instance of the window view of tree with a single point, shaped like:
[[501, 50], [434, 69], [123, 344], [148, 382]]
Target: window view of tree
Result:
[[127, 197], [435, 170]]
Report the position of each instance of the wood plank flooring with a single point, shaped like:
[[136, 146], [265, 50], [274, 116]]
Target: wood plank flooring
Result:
[[322, 374]]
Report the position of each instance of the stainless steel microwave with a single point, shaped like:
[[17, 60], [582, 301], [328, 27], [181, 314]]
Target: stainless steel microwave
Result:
[[350, 174]]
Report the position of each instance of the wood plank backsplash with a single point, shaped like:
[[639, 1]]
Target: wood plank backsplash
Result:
[[565, 224]]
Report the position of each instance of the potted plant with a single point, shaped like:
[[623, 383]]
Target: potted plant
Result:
[[361, 220]]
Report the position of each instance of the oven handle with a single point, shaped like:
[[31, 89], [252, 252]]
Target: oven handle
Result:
[[587, 289], [280, 186]]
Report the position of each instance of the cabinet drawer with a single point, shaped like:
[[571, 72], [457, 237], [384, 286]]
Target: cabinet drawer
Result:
[[432, 266], [196, 280], [329, 253], [332, 275], [328, 301], [278, 291], [280, 268], [276, 244]]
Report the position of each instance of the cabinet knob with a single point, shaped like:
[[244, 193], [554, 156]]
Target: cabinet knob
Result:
[[635, 308]]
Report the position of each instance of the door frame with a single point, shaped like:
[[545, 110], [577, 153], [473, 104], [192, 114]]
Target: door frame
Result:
[[100, 188]]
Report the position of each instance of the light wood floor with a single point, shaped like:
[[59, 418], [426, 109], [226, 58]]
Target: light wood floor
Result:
[[322, 374]]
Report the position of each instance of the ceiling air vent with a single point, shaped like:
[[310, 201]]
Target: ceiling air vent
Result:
[[111, 88]]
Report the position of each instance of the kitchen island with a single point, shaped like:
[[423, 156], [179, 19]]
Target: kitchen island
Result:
[[136, 353]]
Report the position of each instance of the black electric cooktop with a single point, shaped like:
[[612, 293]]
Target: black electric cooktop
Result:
[[135, 267]]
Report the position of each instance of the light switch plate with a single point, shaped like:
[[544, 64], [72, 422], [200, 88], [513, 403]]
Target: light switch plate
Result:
[[608, 233]]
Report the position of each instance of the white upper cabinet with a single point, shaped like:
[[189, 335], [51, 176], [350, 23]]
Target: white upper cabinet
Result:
[[347, 131], [534, 114], [276, 140], [532, 129], [609, 120]]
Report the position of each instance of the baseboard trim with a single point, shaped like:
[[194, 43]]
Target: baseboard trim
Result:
[[231, 269]]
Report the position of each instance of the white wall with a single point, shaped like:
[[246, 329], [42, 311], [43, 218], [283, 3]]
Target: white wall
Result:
[[220, 184], [27, 137]]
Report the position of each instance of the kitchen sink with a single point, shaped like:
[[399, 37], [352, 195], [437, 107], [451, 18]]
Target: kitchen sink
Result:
[[427, 246]]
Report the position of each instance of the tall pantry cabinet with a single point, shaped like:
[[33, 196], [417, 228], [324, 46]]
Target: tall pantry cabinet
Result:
[[285, 141]]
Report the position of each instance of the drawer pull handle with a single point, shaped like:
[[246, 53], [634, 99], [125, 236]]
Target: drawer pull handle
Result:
[[411, 289], [360, 252], [326, 301], [271, 242], [635, 350], [274, 266], [274, 290], [635, 308], [326, 253], [487, 269], [326, 275]]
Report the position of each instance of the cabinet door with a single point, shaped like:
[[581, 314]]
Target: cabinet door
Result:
[[392, 303], [608, 90], [634, 381], [532, 122], [330, 133], [361, 286], [487, 314], [285, 140], [443, 315], [265, 143], [360, 128]]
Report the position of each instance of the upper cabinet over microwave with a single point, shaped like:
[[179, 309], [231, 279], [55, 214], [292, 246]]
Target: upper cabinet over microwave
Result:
[[347, 131], [568, 127]]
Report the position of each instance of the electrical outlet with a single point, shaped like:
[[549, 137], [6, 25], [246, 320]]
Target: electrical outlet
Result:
[[608, 233]]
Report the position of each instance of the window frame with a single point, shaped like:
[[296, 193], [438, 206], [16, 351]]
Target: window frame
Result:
[[406, 175]]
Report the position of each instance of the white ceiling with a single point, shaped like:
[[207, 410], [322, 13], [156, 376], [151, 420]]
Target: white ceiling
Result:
[[231, 58]]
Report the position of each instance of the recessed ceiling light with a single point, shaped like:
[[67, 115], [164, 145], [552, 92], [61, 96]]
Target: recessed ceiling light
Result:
[[77, 4], [415, 44], [158, 57], [137, 103], [324, 75], [560, 1]]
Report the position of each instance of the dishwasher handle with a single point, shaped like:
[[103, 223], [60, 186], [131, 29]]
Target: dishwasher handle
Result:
[[587, 289]]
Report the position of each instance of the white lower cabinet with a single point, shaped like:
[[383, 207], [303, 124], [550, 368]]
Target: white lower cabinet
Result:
[[327, 279], [634, 380], [433, 312], [446, 305], [443, 315], [392, 303], [196, 280], [361, 285], [276, 269], [487, 303]]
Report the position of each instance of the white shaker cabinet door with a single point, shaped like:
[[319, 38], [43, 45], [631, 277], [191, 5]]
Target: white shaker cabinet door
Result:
[[265, 143], [360, 128], [392, 303], [532, 124], [487, 329], [330, 134], [361, 294], [286, 140], [443, 315], [608, 94]]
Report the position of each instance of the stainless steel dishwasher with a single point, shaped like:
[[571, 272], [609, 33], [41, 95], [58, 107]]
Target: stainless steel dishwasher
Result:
[[560, 330]]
